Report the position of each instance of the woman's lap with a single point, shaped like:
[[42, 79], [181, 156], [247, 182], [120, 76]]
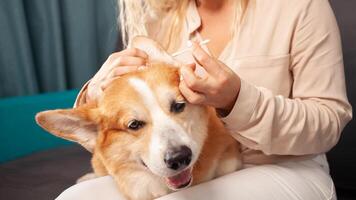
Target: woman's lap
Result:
[[278, 182], [293, 180], [103, 188]]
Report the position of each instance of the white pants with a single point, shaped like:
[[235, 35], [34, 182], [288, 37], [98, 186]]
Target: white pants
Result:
[[302, 180]]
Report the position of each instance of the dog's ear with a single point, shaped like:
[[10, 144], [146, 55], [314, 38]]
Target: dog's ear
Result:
[[77, 125], [155, 51]]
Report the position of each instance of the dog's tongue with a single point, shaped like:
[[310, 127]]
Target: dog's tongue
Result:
[[180, 180]]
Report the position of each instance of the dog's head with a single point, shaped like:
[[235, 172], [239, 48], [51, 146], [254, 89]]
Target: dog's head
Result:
[[142, 121]]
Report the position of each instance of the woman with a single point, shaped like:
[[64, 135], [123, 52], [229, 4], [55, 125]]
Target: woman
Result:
[[273, 70]]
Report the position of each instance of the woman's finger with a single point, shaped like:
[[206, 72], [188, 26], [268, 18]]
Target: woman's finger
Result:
[[137, 52], [128, 61], [134, 52], [191, 96], [205, 60], [117, 71], [192, 66], [192, 80], [106, 83], [94, 92]]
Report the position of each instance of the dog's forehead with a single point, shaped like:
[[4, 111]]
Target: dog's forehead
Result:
[[118, 98], [158, 86], [125, 94]]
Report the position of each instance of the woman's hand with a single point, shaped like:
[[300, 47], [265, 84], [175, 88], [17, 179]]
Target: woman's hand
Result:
[[117, 64], [218, 88]]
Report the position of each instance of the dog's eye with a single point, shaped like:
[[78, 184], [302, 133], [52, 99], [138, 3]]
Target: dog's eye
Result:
[[177, 107], [135, 124]]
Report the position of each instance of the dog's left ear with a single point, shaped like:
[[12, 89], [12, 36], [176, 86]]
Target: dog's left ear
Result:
[[154, 50], [76, 125]]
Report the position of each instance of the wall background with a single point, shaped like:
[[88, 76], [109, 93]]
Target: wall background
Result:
[[53, 45]]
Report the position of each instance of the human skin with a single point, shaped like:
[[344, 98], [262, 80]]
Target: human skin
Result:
[[218, 88]]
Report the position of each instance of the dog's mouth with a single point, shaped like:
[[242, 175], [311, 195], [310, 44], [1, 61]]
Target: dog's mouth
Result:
[[180, 181]]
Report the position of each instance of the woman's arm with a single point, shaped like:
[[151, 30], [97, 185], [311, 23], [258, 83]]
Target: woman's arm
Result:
[[311, 120], [117, 64]]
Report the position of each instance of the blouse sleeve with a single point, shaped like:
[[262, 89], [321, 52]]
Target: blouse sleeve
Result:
[[311, 120]]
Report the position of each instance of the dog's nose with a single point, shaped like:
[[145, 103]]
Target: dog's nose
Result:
[[178, 158]]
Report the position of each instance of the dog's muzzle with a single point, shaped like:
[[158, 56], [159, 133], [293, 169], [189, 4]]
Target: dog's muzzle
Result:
[[178, 158]]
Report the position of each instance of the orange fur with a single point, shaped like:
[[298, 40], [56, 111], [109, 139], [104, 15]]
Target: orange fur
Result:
[[117, 149]]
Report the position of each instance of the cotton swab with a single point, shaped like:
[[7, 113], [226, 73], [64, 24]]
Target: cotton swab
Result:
[[188, 48]]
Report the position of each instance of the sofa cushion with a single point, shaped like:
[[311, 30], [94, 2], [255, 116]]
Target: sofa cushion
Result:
[[18, 127], [43, 175]]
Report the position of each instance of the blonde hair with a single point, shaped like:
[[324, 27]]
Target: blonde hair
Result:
[[133, 15]]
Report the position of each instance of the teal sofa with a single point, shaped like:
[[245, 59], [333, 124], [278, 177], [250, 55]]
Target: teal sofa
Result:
[[19, 133], [33, 163]]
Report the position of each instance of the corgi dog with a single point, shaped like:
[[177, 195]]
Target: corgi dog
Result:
[[144, 134]]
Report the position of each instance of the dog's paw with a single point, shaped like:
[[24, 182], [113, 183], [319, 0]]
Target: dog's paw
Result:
[[86, 177]]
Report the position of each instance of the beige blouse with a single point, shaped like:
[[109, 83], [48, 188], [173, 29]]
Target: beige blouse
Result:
[[292, 100]]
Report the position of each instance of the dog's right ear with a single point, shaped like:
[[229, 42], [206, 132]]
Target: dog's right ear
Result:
[[155, 51], [72, 124]]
